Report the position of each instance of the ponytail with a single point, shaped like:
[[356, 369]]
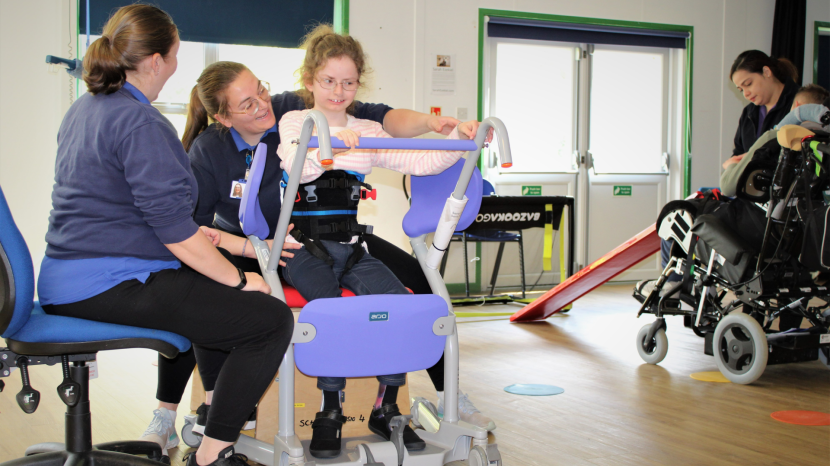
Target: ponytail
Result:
[[104, 68], [132, 33], [786, 70], [197, 119]]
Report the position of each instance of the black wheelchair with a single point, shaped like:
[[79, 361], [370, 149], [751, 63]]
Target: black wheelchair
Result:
[[738, 266]]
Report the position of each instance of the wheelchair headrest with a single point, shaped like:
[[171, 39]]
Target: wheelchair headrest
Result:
[[429, 194], [250, 214], [790, 136], [17, 275]]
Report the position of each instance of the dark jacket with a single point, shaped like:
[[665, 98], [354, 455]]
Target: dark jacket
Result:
[[748, 133], [217, 162]]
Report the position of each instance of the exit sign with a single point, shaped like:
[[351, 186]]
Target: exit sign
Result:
[[622, 190], [531, 190]]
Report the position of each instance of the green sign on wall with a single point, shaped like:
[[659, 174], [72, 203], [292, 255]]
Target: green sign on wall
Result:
[[531, 190], [622, 190]]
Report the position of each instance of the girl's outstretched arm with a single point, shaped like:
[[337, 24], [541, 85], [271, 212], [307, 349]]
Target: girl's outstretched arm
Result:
[[403, 123]]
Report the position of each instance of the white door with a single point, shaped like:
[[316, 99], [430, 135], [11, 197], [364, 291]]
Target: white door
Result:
[[626, 167], [538, 105], [600, 123]]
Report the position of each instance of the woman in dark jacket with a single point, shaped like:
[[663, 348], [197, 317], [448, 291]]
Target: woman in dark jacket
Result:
[[770, 87]]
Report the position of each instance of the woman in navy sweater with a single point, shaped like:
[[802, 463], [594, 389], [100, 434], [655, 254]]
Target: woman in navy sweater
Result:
[[123, 246]]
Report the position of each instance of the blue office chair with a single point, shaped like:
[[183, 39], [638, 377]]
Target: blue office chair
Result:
[[491, 236], [34, 338]]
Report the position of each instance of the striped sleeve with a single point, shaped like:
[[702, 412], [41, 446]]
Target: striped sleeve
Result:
[[411, 162], [290, 126], [414, 162]]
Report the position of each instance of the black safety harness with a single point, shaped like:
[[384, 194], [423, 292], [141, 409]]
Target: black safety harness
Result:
[[326, 208]]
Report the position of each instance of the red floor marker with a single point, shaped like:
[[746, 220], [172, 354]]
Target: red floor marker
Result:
[[802, 418]]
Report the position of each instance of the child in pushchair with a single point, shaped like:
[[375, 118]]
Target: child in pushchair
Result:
[[744, 267]]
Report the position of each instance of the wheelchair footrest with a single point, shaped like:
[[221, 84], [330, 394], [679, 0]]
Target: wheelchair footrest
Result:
[[798, 340]]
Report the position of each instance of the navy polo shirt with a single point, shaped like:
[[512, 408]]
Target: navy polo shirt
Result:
[[218, 160]]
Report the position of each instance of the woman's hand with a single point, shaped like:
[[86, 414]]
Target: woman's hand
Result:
[[256, 283], [468, 130], [732, 160], [287, 245], [214, 235], [442, 125]]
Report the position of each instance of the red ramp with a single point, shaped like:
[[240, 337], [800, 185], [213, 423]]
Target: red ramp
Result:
[[605, 268]]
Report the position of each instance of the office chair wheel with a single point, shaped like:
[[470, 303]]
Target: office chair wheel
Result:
[[654, 351], [190, 439], [740, 348]]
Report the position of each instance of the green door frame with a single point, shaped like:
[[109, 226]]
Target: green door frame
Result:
[[687, 91], [341, 17], [819, 25]]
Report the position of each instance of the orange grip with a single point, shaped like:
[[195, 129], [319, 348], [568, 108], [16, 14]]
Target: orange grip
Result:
[[326, 162], [506, 165]]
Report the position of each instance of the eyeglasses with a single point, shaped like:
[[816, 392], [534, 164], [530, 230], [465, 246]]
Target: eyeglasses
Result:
[[252, 106], [329, 84]]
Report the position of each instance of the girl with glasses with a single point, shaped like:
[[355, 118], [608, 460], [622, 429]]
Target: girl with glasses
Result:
[[333, 254]]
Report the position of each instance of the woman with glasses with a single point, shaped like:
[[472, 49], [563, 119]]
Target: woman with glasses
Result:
[[244, 114], [122, 244]]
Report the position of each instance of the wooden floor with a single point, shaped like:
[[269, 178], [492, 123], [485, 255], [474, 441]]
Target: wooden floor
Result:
[[616, 410]]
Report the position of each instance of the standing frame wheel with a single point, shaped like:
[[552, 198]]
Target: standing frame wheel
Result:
[[654, 351], [190, 439], [740, 348], [477, 457]]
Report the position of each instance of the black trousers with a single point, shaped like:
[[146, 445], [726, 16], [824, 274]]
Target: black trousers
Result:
[[174, 373], [250, 330]]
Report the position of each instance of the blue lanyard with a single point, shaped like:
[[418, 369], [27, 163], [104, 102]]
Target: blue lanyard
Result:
[[248, 159]]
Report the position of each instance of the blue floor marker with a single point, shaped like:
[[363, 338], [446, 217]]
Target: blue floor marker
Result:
[[532, 389]]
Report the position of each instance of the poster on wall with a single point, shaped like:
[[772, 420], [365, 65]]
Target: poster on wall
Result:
[[443, 75]]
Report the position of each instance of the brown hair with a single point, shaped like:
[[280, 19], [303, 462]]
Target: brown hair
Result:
[[322, 44], [754, 61], [814, 93], [132, 33], [208, 98]]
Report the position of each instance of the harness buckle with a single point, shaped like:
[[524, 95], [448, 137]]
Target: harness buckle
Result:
[[311, 195], [367, 194], [355, 193]]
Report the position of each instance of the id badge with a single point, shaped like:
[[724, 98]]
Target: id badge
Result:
[[237, 189]]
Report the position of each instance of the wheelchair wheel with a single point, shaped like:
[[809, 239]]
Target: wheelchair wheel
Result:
[[190, 439], [654, 351], [740, 348]]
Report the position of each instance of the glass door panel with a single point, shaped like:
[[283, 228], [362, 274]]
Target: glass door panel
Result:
[[536, 103], [628, 109]]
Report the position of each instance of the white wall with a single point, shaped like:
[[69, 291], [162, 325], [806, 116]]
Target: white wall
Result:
[[33, 101], [399, 36]]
